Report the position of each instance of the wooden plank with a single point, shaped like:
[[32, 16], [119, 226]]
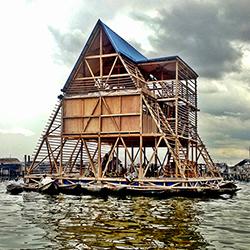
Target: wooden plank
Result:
[[73, 125], [72, 107], [130, 104], [108, 124], [91, 106], [104, 76], [111, 105], [130, 123], [108, 108], [92, 126]]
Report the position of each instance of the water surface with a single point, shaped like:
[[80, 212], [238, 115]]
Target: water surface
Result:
[[36, 221]]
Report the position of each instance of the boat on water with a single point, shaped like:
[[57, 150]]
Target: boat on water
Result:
[[14, 189], [51, 186], [47, 186], [71, 189], [229, 188]]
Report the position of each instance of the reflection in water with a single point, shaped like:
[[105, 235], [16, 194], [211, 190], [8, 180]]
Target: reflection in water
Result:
[[138, 222], [35, 221]]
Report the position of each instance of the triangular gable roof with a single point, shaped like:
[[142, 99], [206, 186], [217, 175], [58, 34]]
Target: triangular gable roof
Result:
[[121, 47], [119, 44]]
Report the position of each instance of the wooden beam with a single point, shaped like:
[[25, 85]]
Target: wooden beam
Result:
[[93, 111], [90, 158], [54, 160], [110, 72], [91, 72], [130, 158], [110, 156], [108, 109], [104, 76], [152, 156], [101, 55], [32, 166]]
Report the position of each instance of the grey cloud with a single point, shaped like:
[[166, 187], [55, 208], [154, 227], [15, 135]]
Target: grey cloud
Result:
[[225, 98], [202, 33], [208, 88], [138, 46], [227, 138], [70, 45]]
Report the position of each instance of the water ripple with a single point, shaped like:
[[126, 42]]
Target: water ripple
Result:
[[35, 221]]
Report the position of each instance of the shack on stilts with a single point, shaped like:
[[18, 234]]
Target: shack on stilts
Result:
[[126, 123]]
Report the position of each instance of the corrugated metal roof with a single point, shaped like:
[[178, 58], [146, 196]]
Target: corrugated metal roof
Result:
[[121, 46], [159, 59]]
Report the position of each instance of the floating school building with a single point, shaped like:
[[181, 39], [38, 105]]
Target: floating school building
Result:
[[125, 120]]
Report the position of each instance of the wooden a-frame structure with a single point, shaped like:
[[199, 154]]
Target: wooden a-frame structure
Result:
[[123, 118]]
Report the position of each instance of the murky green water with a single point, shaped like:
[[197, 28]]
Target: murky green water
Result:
[[35, 221]]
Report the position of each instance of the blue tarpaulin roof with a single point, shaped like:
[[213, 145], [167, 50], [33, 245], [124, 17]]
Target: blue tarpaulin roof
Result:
[[121, 46]]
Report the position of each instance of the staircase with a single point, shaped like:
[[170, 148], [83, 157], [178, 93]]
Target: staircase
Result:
[[178, 153], [205, 154]]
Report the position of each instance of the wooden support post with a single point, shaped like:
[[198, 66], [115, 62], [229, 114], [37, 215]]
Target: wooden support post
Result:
[[156, 153], [132, 152], [99, 171], [50, 161], [144, 155], [125, 159], [117, 157], [141, 159], [81, 163], [61, 156], [192, 152]]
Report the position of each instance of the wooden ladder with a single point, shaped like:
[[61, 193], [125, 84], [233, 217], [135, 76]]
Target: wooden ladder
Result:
[[171, 139], [205, 154]]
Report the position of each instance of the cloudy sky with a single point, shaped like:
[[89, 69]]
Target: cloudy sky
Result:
[[41, 40]]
